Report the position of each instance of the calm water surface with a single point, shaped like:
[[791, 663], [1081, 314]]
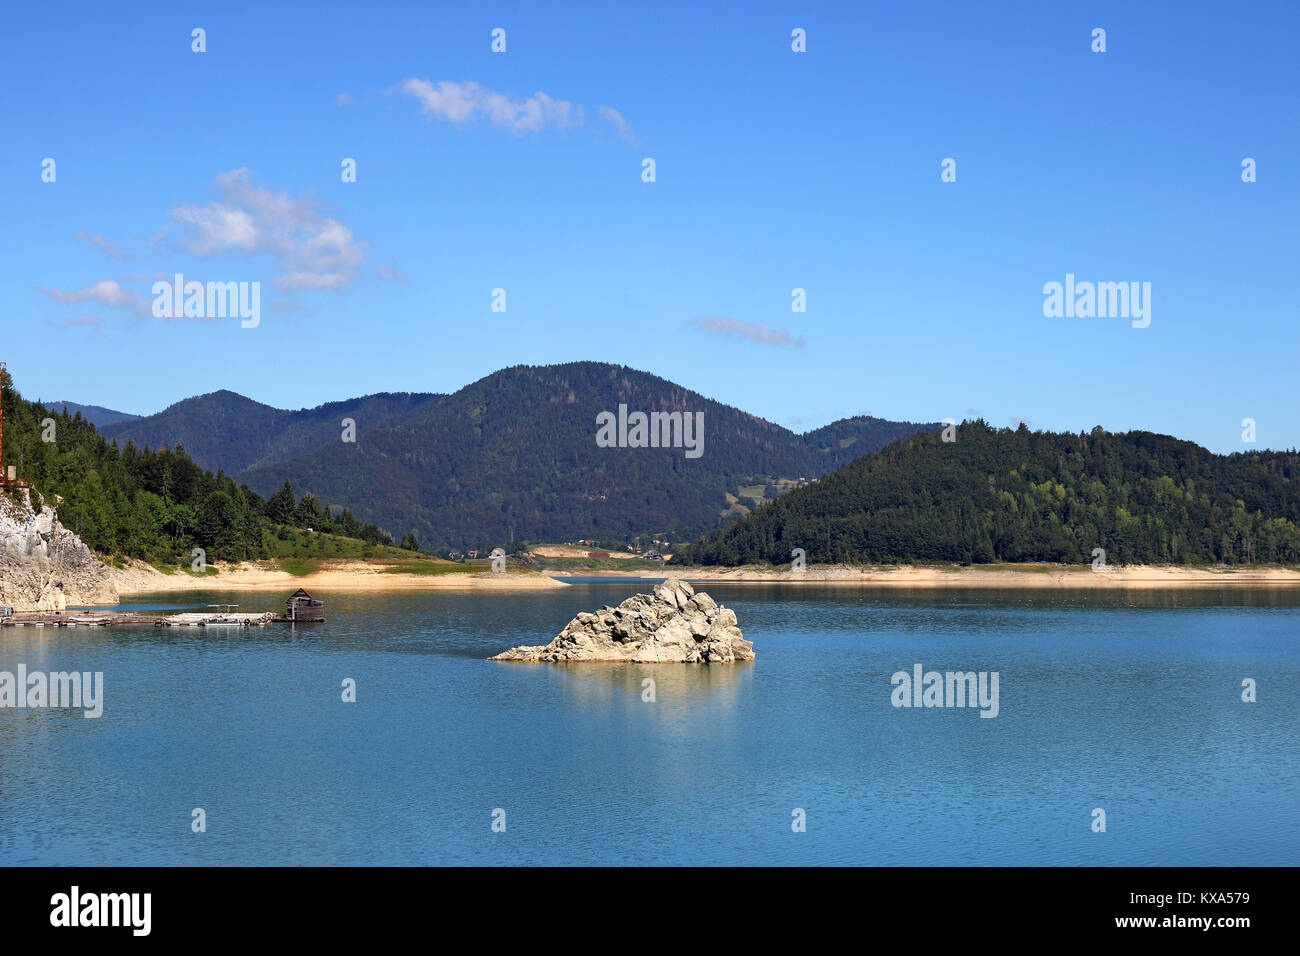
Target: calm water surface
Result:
[[1129, 702]]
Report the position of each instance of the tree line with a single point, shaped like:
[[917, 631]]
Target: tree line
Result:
[[156, 505], [1019, 496]]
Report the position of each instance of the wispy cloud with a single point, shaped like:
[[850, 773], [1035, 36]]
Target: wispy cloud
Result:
[[289, 305], [749, 331], [391, 274], [317, 251], [462, 103], [614, 117], [311, 281], [107, 292], [79, 321], [313, 251], [106, 246]]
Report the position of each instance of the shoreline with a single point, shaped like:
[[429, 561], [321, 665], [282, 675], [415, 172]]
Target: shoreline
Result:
[[349, 575], [1013, 576], [359, 575]]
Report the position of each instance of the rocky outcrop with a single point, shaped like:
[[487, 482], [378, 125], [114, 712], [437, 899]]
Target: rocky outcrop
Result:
[[672, 624], [43, 565]]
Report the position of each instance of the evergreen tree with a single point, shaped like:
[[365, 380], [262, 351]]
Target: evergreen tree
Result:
[[280, 506]]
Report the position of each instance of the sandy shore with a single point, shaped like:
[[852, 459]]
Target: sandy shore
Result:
[[359, 575], [341, 575], [998, 576]]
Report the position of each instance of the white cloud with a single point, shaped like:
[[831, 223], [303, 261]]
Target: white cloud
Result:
[[749, 331], [311, 281], [614, 117], [106, 292], [318, 251], [215, 228], [462, 102], [313, 250]]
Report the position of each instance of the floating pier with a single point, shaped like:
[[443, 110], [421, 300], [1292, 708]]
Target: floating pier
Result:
[[135, 619], [298, 610]]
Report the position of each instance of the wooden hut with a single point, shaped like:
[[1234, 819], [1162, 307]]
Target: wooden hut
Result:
[[301, 606]]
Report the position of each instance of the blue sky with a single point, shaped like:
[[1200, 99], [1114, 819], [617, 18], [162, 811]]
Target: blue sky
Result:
[[775, 170]]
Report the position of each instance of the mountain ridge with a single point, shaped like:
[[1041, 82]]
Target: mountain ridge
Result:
[[97, 415], [511, 456]]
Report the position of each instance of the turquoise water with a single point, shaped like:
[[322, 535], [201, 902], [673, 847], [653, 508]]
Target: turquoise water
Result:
[[1131, 704]]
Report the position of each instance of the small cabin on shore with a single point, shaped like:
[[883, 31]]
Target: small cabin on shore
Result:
[[301, 606]]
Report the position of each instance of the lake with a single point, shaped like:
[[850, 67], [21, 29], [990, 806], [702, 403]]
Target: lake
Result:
[[1127, 702]]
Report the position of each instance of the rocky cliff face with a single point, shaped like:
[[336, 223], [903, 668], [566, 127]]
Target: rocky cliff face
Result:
[[43, 565], [672, 624]]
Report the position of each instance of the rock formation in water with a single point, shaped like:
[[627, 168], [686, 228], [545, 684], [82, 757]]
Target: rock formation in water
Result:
[[43, 565], [672, 624]]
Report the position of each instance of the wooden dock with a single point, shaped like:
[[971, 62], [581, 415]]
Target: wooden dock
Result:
[[136, 619], [300, 607]]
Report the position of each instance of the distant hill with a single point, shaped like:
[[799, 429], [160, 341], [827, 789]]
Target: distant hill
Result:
[[95, 414], [226, 431], [848, 438], [1003, 495], [510, 457]]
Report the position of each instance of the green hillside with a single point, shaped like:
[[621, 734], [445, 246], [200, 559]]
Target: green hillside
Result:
[[1003, 495], [159, 505]]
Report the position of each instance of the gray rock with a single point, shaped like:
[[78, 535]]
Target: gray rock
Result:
[[43, 565], [704, 602], [672, 624]]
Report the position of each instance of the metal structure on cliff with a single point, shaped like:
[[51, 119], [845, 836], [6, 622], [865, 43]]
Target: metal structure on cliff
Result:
[[8, 476], [2, 423]]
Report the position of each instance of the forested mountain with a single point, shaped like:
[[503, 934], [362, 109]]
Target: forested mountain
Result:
[[1003, 495], [226, 431], [846, 439], [97, 415], [514, 457], [510, 457], [152, 504]]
